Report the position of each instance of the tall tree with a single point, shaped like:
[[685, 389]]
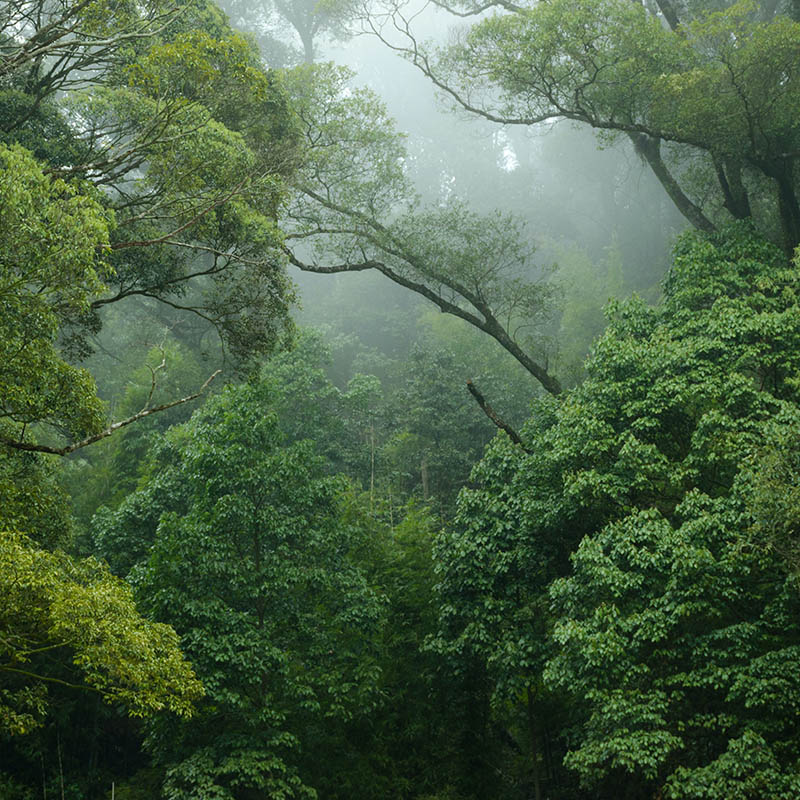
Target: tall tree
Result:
[[250, 557], [696, 84], [189, 138], [353, 204]]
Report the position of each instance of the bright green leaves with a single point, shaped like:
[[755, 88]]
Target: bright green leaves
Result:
[[225, 76], [53, 243], [671, 619], [55, 606], [675, 636], [663, 474]]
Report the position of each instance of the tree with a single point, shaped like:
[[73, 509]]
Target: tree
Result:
[[309, 20], [71, 623], [619, 68], [65, 623], [189, 138], [53, 261], [251, 559], [352, 201], [642, 672]]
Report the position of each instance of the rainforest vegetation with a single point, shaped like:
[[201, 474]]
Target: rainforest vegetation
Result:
[[399, 401]]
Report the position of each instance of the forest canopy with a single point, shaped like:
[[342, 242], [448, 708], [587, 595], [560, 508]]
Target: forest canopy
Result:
[[508, 509]]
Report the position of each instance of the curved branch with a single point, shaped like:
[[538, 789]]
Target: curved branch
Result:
[[488, 324], [649, 148]]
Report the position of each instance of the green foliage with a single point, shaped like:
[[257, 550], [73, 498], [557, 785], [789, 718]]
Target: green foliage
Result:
[[190, 138], [66, 625], [775, 498], [667, 639], [722, 82], [252, 561], [108, 471], [53, 239], [53, 242], [677, 676], [55, 606]]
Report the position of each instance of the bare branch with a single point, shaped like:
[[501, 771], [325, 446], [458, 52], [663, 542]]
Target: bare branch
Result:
[[489, 324], [71, 448], [493, 416]]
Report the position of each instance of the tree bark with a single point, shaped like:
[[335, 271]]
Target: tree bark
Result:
[[493, 416], [670, 15], [789, 210], [488, 324], [729, 175]]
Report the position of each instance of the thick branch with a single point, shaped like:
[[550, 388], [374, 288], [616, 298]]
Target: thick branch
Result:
[[650, 149], [729, 175], [477, 10], [488, 325], [38, 677], [200, 214], [492, 414], [71, 448], [669, 12]]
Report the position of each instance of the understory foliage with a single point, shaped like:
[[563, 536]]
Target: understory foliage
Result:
[[619, 565], [54, 605]]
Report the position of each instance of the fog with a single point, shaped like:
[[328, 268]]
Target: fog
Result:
[[583, 202]]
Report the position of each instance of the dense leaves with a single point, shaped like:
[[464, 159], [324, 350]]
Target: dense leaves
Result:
[[53, 237], [716, 82], [676, 616], [54, 605], [253, 561], [188, 134]]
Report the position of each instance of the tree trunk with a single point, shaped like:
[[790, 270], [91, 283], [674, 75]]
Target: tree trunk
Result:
[[307, 38], [534, 734], [789, 210], [649, 149], [729, 175]]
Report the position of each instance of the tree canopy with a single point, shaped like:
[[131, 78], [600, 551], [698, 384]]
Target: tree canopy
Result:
[[324, 578], [616, 562], [715, 87], [251, 558]]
